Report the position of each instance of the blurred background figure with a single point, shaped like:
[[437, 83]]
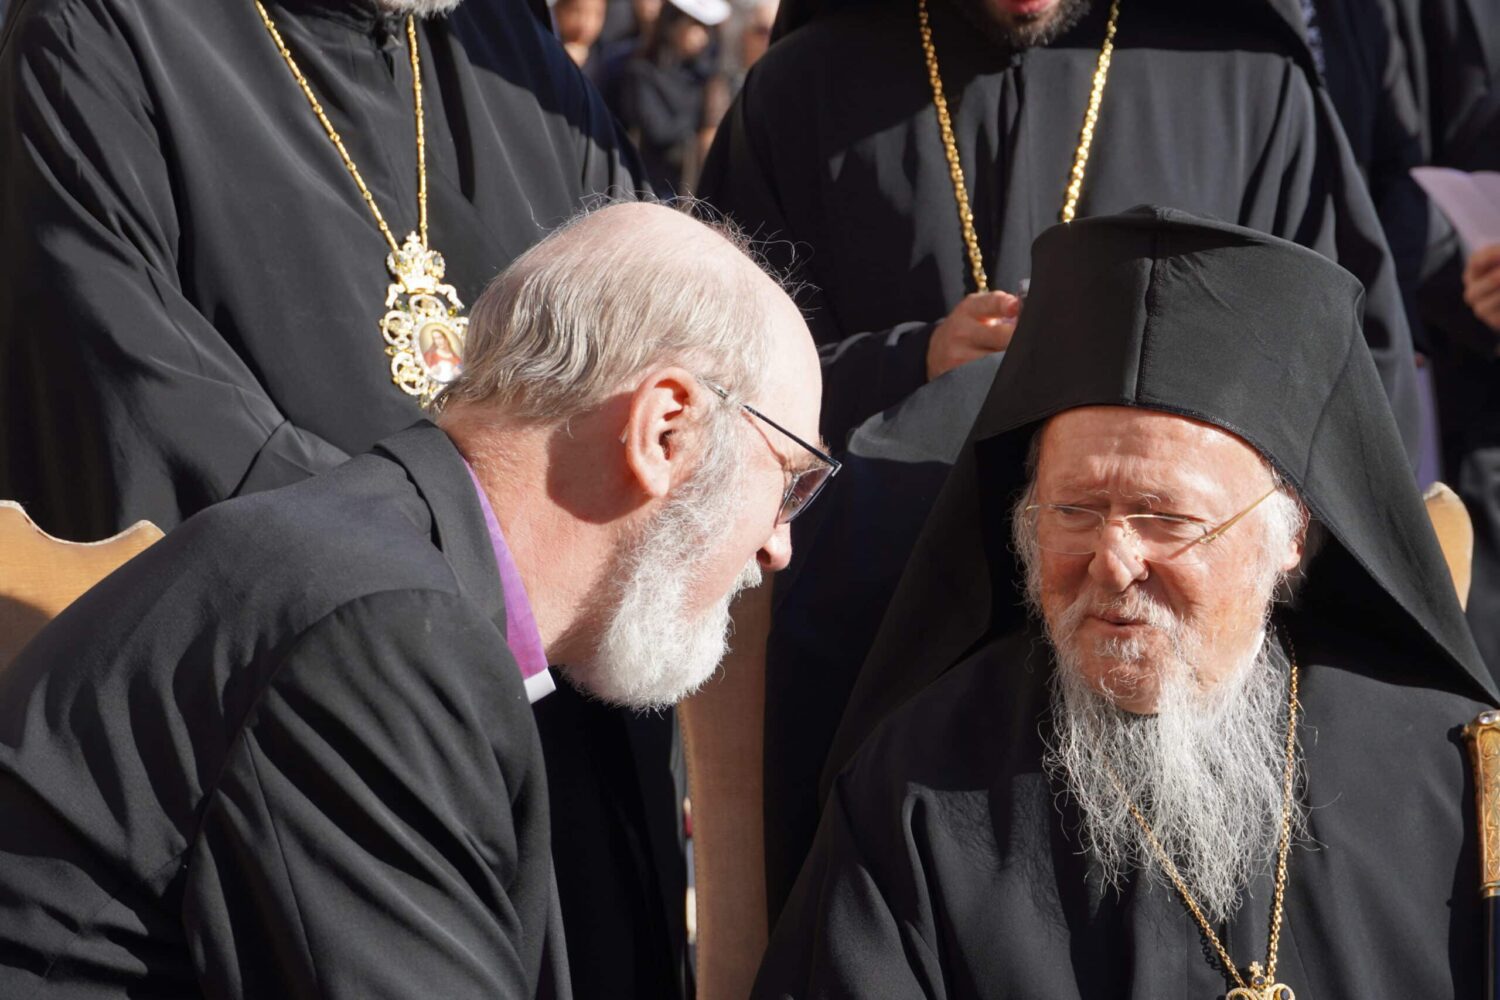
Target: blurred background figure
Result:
[[579, 24], [627, 24], [747, 35], [663, 100]]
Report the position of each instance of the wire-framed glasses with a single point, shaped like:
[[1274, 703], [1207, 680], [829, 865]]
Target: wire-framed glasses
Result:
[[803, 485], [1075, 531]]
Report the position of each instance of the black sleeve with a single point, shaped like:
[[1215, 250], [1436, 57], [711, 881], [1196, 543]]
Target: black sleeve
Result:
[[863, 373], [379, 828], [844, 931], [120, 400]]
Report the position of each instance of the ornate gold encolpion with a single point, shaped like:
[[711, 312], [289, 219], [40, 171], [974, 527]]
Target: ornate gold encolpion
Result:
[[1260, 988], [424, 333], [1483, 738]]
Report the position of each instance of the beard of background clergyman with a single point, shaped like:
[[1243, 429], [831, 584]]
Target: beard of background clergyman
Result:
[[1021, 32], [651, 652], [1206, 770], [419, 8]]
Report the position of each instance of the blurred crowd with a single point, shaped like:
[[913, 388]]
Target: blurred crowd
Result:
[[668, 69]]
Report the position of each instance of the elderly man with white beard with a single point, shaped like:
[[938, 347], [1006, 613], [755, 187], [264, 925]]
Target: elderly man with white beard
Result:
[[1183, 668], [290, 750], [242, 239]]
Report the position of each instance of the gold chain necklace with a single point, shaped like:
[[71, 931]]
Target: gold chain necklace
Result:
[[950, 146], [1262, 984], [423, 328]]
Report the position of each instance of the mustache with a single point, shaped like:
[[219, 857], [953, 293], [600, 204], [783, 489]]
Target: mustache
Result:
[[1133, 605]]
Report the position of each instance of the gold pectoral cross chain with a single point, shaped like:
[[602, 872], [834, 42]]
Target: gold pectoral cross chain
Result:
[[423, 325]]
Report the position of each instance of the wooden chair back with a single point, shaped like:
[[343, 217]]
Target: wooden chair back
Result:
[[1455, 534], [723, 741], [40, 575]]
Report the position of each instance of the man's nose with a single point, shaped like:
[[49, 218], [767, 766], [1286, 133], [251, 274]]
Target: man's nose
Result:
[[776, 554], [1117, 561]]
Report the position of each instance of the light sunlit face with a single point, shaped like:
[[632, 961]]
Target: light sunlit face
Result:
[[1125, 460], [792, 399]]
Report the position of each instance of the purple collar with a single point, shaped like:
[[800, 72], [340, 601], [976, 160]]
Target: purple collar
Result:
[[521, 633]]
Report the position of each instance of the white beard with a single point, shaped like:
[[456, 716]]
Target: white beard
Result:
[[418, 8], [1206, 770], [650, 654]]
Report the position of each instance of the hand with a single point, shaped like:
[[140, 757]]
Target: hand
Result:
[[980, 325], [1482, 285]]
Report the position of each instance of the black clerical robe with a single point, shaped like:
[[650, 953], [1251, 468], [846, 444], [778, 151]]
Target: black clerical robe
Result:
[[195, 285], [948, 867], [194, 282], [284, 753], [832, 154]]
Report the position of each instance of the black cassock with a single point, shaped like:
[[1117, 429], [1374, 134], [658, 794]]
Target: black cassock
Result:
[[948, 865], [284, 753], [833, 155], [194, 285]]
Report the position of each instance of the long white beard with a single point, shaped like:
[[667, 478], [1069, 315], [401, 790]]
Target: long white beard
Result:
[[420, 8], [650, 653], [1206, 770]]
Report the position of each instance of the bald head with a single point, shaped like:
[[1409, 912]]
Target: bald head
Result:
[[613, 294]]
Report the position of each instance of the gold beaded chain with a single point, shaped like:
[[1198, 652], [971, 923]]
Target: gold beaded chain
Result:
[[338, 142], [1262, 984], [950, 146], [423, 327]]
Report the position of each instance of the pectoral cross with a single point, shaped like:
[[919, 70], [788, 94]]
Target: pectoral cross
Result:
[[1261, 988]]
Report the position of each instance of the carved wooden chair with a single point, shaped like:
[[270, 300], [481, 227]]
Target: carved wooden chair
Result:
[[40, 575]]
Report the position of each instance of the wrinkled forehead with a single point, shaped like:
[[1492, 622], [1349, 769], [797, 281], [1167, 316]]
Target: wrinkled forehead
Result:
[[1136, 450]]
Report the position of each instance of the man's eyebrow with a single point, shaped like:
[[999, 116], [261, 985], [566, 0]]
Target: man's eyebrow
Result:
[[1150, 498]]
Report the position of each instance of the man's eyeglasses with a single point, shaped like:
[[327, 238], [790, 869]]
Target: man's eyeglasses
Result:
[[805, 484], [1075, 531]]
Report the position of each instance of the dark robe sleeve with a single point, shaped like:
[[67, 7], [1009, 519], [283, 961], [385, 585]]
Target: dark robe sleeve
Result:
[[863, 373], [858, 923], [161, 416], [379, 827]]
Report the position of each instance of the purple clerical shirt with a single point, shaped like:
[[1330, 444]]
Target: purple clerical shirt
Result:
[[521, 633]]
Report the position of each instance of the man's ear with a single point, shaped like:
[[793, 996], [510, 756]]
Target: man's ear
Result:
[[1296, 553], [666, 409]]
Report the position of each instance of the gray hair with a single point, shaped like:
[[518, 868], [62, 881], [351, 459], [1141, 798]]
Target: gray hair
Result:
[[576, 318]]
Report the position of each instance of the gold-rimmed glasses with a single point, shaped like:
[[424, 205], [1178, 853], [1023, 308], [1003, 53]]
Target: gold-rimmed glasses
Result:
[[1071, 530]]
